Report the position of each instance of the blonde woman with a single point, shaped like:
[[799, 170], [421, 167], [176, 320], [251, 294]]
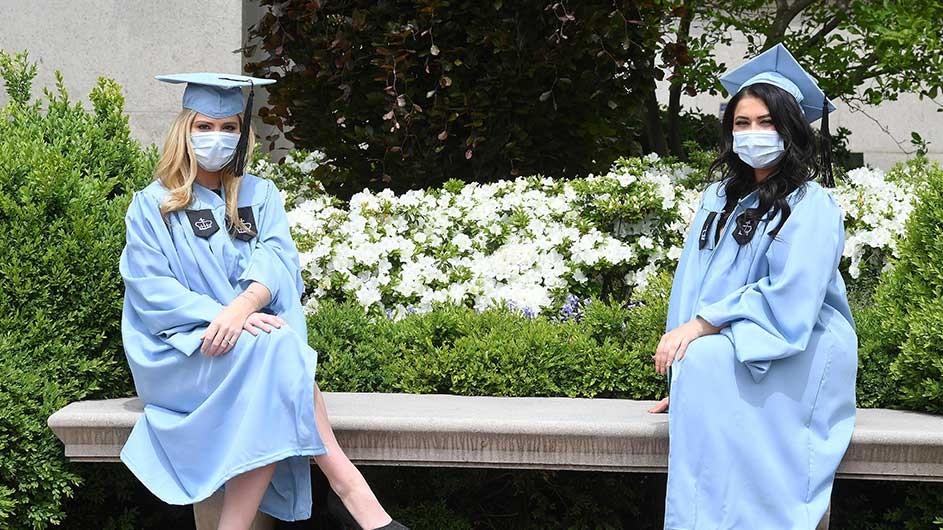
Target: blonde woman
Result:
[[214, 331]]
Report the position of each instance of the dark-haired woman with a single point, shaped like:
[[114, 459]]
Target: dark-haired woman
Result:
[[761, 343]]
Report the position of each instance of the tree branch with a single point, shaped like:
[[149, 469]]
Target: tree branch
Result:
[[784, 15], [862, 71], [827, 28], [854, 107], [797, 8]]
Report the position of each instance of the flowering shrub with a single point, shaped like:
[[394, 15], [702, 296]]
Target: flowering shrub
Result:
[[876, 208], [531, 241], [533, 244], [297, 176]]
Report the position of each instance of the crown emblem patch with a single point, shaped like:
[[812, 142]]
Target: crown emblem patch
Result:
[[248, 219], [746, 228], [203, 223]]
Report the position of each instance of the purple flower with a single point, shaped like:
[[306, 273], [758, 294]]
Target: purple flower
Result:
[[572, 301], [572, 308]]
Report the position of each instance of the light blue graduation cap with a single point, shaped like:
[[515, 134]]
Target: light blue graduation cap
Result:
[[777, 67], [220, 96], [214, 95]]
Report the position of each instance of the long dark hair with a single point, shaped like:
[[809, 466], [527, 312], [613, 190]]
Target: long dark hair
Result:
[[796, 167]]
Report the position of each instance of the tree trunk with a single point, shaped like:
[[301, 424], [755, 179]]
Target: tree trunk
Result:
[[654, 132], [674, 93], [674, 123]]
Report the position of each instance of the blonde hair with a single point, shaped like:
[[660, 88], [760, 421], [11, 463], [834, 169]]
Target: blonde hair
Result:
[[177, 171]]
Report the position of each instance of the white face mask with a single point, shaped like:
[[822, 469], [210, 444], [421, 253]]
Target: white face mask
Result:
[[758, 149], [213, 150]]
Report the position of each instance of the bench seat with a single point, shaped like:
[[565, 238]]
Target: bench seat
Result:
[[527, 433]]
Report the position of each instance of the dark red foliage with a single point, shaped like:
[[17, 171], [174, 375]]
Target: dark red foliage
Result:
[[438, 89]]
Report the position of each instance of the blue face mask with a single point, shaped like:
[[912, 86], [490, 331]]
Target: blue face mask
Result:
[[758, 149]]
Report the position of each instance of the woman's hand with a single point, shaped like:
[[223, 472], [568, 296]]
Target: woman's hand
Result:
[[262, 321], [226, 327], [659, 407], [674, 343]]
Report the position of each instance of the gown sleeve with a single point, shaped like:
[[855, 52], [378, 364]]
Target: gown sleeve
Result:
[[166, 307], [774, 317], [274, 259]]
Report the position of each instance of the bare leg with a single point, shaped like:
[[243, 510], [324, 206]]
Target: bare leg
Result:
[[243, 495], [345, 479]]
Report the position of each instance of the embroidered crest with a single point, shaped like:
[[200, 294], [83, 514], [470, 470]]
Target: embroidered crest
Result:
[[248, 219], [705, 230], [203, 223], [746, 228]]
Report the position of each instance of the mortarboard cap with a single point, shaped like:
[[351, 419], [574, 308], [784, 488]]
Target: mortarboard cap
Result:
[[214, 95], [220, 96], [777, 67]]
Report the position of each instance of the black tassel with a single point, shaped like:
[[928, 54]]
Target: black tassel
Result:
[[827, 178], [239, 158]]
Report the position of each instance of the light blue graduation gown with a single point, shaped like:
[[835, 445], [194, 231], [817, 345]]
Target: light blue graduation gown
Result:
[[761, 413], [207, 419]]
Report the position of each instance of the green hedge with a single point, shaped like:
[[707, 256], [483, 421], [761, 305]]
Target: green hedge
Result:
[[499, 352], [901, 332], [65, 174]]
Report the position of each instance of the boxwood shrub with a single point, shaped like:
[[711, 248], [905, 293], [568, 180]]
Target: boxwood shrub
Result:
[[65, 173], [901, 332], [606, 352]]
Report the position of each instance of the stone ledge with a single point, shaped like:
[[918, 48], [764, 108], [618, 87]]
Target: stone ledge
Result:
[[527, 433]]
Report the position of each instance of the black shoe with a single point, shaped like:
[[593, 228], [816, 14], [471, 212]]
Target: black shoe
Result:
[[337, 510], [335, 507]]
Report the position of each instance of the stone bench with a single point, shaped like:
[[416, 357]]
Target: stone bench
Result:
[[525, 433]]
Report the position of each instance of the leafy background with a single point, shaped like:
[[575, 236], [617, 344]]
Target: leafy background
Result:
[[66, 174]]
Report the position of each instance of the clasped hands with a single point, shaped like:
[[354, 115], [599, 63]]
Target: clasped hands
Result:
[[673, 345], [225, 329]]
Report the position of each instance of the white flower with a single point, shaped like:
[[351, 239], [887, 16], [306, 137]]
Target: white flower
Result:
[[876, 211], [368, 294], [456, 293], [527, 241], [463, 242], [674, 253]]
